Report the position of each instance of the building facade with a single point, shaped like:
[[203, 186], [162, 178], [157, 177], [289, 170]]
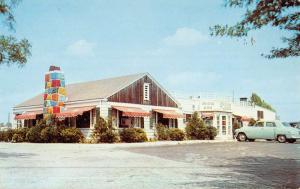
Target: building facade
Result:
[[129, 101], [222, 113]]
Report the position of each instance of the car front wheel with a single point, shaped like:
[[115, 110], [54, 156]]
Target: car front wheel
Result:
[[281, 138], [241, 137]]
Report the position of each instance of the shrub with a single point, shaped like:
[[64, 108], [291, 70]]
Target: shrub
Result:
[[195, 128], [20, 135], [176, 134], [211, 133], [71, 135], [34, 134], [162, 132], [133, 135], [104, 132], [6, 136], [18, 138], [51, 134]]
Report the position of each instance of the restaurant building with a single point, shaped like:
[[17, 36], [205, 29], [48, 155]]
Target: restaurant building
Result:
[[223, 112], [129, 101]]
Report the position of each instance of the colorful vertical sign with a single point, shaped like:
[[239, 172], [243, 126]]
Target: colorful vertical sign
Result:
[[55, 92]]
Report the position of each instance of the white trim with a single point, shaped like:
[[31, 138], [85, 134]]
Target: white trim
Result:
[[157, 83]]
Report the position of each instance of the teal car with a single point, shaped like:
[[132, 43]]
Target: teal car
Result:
[[269, 130]]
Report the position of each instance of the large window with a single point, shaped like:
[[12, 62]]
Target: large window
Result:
[[83, 121], [146, 91]]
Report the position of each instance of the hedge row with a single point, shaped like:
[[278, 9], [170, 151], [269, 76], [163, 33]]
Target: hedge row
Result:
[[164, 133], [42, 134], [104, 132]]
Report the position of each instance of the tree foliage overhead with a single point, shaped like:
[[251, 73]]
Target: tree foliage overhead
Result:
[[256, 100], [11, 49], [282, 14]]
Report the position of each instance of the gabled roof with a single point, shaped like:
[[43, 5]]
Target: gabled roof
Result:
[[98, 89]]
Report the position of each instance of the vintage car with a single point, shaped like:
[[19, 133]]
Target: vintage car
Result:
[[269, 130]]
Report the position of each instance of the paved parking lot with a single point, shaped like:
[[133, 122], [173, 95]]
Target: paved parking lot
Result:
[[204, 165]]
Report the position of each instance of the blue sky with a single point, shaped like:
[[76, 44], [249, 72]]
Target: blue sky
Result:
[[169, 39]]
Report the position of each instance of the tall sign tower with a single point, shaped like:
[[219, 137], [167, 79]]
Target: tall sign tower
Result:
[[55, 92]]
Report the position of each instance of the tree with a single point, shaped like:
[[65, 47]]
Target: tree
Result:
[[11, 50], [105, 132], [196, 128], [282, 14], [256, 100]]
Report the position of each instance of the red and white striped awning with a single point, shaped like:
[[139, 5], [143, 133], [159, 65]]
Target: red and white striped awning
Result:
[[207, 114], [28, 115], [243, 117], [73, 112], [169, 114], [132, 111]]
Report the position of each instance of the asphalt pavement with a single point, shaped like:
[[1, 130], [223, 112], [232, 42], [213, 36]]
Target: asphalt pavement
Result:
[[150, 165]]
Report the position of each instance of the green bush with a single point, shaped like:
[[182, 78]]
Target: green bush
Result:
[[162, 132], [18, 138], [6, 136], [133, 135], [176, 134], [34, 134], [20, 135], [51, 134], [211, 133], [104, 132], [196, 129], [71, 135], [3, 136]]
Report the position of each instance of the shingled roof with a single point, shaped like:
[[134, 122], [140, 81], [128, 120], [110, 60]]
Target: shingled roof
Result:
[[90, 90]]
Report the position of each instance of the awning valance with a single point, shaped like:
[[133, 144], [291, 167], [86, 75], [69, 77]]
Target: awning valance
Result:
[[132, 111], [242, 118], [28, 115], [169, 114], [73, 112], [207, 114]]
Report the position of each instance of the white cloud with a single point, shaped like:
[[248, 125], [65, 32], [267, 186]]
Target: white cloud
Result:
[[193, 78], [185, 37], [81, 48]]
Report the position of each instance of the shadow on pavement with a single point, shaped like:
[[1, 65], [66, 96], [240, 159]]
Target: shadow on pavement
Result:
[[256, 172], [17, 155]]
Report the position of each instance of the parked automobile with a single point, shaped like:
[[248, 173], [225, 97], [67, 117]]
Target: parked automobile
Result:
[[295, 124], [269, 130]]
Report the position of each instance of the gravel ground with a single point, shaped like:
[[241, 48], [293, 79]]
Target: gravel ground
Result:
[[204, 165]]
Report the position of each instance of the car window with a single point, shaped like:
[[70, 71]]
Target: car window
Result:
[[259, 124], [270, 124]]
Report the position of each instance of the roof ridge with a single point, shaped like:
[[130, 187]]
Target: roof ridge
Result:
[[108, 78]]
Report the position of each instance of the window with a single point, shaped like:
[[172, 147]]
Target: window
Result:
[[224, 125], [146, 91], [260, 115], [259, 124], [270, 124], [223, 120]]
